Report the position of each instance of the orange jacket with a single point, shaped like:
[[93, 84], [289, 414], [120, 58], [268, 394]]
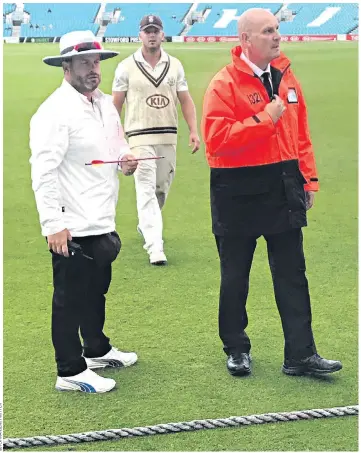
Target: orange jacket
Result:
[[238, 132]]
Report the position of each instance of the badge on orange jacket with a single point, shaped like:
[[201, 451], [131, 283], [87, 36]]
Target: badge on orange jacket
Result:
[[292, 96]]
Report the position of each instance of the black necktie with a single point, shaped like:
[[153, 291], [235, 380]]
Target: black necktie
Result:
[[267, 84]]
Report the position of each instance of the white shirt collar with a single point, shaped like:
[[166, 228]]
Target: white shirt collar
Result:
[[139, 56], [258, 71], [97, 94]]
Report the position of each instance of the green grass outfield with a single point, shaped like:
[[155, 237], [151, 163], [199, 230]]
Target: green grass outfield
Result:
[[169, 315]]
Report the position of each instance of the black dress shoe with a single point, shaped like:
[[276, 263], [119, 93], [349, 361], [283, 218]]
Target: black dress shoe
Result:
[[311, 365], [239, 364]]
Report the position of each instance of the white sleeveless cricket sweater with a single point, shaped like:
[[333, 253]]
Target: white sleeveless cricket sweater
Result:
[[151, 116]]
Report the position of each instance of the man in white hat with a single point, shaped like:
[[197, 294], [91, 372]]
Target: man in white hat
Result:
[[76, 125], [152, 82]]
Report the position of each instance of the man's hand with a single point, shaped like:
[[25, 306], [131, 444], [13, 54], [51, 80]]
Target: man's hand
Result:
[[194, 140], [128, 168], [310, 196], [58, 242], [275, 109]]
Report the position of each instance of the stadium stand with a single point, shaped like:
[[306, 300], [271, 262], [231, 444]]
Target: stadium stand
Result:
[[190, 19], [337, 17], [7, 25], [9, 8], [218, 25], [7, 30], [171, 14], [56, 19]]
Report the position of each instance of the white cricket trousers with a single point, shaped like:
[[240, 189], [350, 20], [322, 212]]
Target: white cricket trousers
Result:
[[153, 179]]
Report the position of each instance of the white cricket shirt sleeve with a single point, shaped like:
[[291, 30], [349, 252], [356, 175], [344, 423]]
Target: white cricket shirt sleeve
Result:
[[123, 145], [181, 79], [121, 79], [49, 140]]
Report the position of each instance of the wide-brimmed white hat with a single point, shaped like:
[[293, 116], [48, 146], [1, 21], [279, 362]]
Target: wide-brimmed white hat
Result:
[[79, 43]]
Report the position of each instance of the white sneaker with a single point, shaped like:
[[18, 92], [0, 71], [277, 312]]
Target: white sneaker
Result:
[[114, 358], [157, 258], [86, 381]]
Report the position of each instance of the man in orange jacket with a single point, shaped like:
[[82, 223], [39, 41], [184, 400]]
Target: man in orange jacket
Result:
[[263, 179]]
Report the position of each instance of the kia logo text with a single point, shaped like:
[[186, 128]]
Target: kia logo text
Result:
[[157, 101]]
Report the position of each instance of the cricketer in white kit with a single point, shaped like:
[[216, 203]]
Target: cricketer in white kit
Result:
[[151, 82]]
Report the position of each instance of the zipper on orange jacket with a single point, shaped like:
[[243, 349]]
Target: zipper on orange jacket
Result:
[[277, 133]]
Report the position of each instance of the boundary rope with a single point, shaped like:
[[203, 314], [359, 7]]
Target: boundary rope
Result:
[[169, 428]]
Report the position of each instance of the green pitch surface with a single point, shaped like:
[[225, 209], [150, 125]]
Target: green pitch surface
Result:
[[168, 315]]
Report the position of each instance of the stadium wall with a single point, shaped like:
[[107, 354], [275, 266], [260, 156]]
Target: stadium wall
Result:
[[189, 39], [284, 38]]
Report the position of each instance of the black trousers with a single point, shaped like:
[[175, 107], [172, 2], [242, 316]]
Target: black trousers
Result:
[[287, 264], [80, 286]]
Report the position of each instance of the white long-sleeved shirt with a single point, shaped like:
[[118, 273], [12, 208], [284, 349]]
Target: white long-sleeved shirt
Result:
[[67, 132]]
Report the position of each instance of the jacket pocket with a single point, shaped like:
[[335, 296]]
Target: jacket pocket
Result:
[[295, 192], [106, 248]]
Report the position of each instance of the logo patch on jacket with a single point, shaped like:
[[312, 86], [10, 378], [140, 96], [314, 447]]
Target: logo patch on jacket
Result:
[[292, 96], [254, 98]]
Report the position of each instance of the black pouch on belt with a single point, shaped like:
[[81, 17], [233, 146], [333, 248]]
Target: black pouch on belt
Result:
[[106, 248]]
